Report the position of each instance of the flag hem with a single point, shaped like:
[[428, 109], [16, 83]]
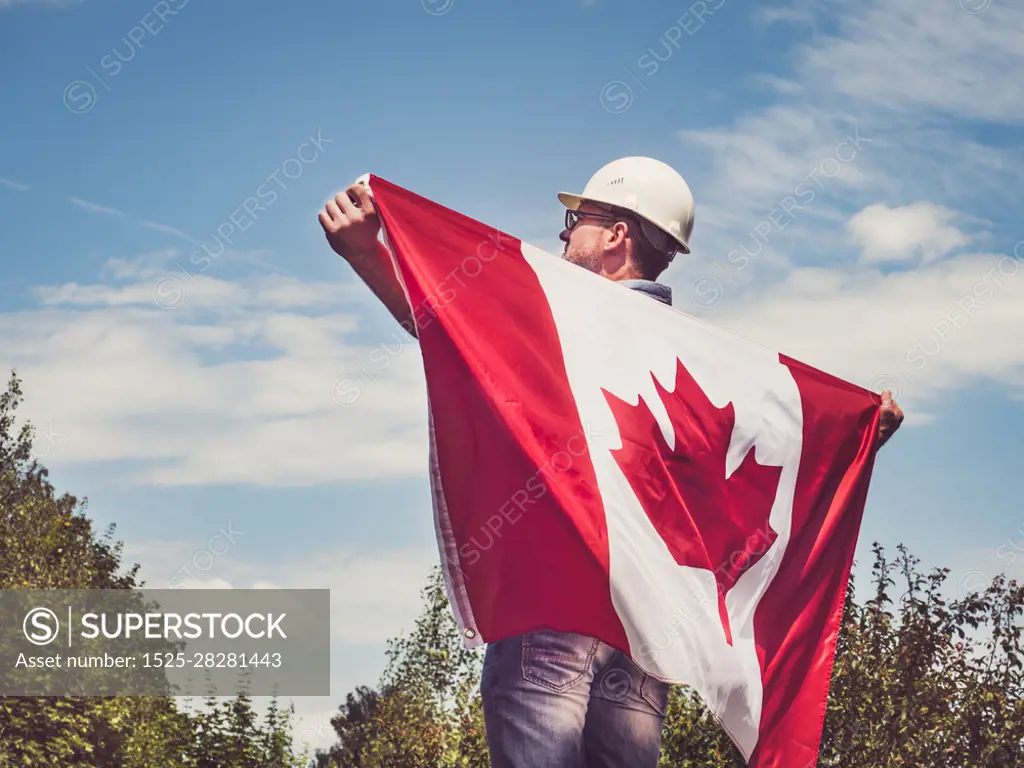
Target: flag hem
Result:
[[446, 543]]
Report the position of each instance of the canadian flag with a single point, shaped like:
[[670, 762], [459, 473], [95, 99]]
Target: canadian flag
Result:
[[605, 464]]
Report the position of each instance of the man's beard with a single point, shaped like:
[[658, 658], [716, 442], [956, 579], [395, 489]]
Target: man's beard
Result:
[[588, 260]]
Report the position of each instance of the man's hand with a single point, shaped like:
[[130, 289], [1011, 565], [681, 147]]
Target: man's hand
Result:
[[890, 420], [351, 230]]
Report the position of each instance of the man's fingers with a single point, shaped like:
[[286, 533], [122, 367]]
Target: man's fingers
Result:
[[325, 221], [362, 195], [346, 205], [334, 211]]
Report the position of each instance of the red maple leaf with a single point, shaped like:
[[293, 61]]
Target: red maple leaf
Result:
[[706, 520]]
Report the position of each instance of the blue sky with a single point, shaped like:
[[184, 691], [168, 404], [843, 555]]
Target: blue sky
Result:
[[186, 398]]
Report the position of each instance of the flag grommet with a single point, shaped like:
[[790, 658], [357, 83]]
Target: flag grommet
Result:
[[470, 634]]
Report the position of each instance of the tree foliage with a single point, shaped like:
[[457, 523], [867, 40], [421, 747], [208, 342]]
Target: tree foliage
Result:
[[427, 711], [920, 679], [48, 542]]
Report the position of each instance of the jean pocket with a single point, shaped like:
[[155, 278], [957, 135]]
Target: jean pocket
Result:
[[557, 660], [655, 693]]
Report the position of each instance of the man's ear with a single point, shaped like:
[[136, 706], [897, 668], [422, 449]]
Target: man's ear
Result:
[[618, 232]]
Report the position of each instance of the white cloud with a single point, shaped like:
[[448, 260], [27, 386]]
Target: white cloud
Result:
[[159, 287], [145, 265], [262, 381], [794, 162], [247, 381], [375, 595], [169, 230], [805, 279], [917, 57], [899, 234], [94, 208], [10, 183], [259, 381], [918, 332], [876, 72], [778, 84]]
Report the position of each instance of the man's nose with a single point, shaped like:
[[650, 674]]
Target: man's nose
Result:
[[564, 236]]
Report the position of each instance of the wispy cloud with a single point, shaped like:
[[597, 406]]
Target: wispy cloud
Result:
[[169, 230], [919, 332], [888, 54], [11, 183], [238, 381], [4, 4], [165, 228], [921, 157], [94, 208], [145, 266]]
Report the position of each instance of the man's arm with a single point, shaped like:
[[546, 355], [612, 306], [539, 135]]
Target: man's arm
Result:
[[375, 269], [352, 230]]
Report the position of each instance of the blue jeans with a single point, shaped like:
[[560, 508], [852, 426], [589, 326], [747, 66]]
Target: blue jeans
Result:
[[561, 700]]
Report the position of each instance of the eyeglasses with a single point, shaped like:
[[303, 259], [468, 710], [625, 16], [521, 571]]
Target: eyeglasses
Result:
[[572, 218]]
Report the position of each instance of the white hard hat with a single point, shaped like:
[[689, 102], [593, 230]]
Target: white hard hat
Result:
[[650, 189]]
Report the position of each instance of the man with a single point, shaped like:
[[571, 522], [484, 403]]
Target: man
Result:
[[556, 699]]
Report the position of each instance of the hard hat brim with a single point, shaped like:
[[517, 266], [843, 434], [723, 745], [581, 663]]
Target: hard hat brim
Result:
[[572, 202]]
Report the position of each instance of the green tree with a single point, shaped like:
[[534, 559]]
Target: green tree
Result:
[[920, 680], [927, 680], [48, 542], [228, 734], [427, 711]]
